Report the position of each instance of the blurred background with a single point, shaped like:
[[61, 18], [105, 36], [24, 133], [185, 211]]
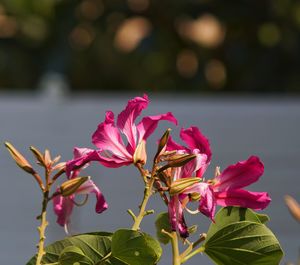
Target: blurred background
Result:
[[193, 45], [232, 68]]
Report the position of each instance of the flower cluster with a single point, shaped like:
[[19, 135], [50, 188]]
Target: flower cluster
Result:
[[178, 170]]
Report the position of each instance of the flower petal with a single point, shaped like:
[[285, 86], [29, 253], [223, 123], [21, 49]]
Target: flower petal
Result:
[[172, 145], [176, 217], [243, 198], [126, 118], [107, 137], [90, 187], [196, 140], [148, 124], [82, 157], [63, 207], [239, 175], [207, 204]]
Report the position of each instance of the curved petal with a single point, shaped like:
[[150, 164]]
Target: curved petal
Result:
[[176, 217], [107, 137], [114, 161], [172, 145], [148, 124], [63, 207], [196, 165], [126, 118], [239, 175], [82, 157], [196, 140], [207, 204], [243, 198], [90, 187]]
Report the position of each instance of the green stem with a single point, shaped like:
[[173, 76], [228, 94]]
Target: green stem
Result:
[[42, 229], [143, 212], [175, 250], [187, 257]]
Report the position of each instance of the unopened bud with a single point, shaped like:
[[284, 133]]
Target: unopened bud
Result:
[[19, 158], [179, 185], [38, 155], [47, 158], [140, 154], [71, 186], [293, 206], [194, 196], [179, 162], [162, 143], [192, 229]]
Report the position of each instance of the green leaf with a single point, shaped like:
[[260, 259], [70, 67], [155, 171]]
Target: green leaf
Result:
[[93, 246], [239, 237], [135, 248], [162, 222], [263, 218], [73, 254]]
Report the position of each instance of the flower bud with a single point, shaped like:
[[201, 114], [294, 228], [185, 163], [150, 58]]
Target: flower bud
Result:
[[194, 196], [19, 158], [162, 143], [71, 186], [178, 162], [293, 206], [38, 155], [140, 155], [179, 185]]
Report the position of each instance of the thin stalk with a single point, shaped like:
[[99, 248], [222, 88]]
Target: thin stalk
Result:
[[42, 229], [175, 250], [147, 194], [197, 251]]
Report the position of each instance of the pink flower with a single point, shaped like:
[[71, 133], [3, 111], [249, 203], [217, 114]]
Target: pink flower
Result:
[[63, 206], [225, 189], [197, 144], [107, 137]]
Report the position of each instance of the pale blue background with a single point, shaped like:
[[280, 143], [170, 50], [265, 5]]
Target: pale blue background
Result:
[[236, 126]]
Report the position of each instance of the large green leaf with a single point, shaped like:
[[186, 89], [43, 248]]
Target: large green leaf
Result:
[[135, 248], [86, 249], [239, 237], [162, 222]]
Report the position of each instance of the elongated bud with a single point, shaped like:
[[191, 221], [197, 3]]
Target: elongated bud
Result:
[[179, 162], [19, 158], [71, 186], [140, 154], [179, 185], [38, 155], [162, 143], [47, 158], [293, 206], [192, 229]]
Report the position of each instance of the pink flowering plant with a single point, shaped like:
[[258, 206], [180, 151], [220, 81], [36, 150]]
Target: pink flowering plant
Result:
[[237, 234]]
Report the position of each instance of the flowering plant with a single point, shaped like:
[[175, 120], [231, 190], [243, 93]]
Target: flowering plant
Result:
[[237, 234]]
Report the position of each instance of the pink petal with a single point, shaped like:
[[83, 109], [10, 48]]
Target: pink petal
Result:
[[126, 118], [207, 204], [114, 161], [240, 175], [82, 157], [176, 217], [90, 187], [196, 140], [107, 137], [196, 165], [172, 145], [243, 198], [148, 124], [63, 207]]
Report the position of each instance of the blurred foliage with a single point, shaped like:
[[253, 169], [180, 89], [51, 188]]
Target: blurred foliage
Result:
[[190, 45]]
